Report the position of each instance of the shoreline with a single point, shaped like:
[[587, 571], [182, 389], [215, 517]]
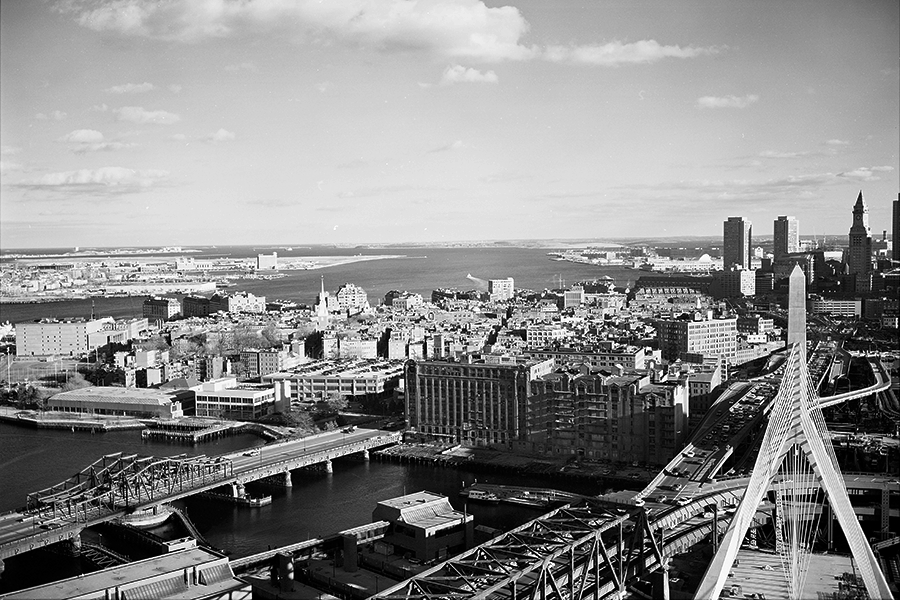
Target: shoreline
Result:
[[316, 263]]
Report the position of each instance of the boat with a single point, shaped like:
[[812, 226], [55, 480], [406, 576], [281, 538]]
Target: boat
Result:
[[482, 496]]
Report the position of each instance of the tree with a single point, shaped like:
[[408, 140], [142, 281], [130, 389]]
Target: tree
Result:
[[336, 402], [75, 381]]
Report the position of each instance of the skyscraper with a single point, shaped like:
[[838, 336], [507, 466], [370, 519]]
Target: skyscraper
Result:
[[859, 255], [736, 251], [895, 232], [787, 236]]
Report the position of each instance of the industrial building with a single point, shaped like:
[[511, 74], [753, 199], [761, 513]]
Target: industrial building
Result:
[[478, 403], [128, 402]]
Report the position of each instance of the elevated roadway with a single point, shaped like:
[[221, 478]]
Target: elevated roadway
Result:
[[118, 485]]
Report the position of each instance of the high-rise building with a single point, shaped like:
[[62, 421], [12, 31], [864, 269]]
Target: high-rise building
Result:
[[737, 240], [895, 232], [859, 254], [787, 236]]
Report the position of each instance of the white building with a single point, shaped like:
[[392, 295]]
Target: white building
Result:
[[226, 398], [501, 289]]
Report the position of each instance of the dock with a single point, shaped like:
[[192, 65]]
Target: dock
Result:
[[522, 496]]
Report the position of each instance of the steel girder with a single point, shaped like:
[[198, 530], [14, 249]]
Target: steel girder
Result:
[[118, 481], [564, 554]]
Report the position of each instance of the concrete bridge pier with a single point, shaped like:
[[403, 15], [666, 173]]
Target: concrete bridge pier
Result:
[[329, 468], [365, 455], [237, 490], [283, 479]]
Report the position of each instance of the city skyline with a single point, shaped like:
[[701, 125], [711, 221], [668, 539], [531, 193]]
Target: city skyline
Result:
[[125, 123]]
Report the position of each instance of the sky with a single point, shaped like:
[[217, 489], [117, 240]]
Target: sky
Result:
[[198, 122]]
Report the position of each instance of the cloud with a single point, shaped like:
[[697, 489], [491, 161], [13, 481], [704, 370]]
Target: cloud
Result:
[[222, 135], [244, 66], [457, 145], [9, 150], [8, 166], [777, 190], [82, 136], [837, 143], [113, 180], [865, 173], [90, 140], [778, 154], [179, 136], [618, 53], [463, 29], [137, 114], [460, 74], [130, 88], [56, 115], [100, 107], [175, 88], [727, 101]]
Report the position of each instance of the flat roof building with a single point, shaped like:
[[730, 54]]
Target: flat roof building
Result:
[[65, 337], [130, 402], [194, 573], [348, 377]]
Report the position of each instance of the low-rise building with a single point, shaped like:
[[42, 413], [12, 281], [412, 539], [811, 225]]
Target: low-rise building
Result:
[[161, 309], [62, 337], [226, 398], [425, 526], [319, 379], [130, 402]]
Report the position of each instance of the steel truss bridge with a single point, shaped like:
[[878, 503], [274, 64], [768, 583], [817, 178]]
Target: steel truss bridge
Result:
[[118, 484]]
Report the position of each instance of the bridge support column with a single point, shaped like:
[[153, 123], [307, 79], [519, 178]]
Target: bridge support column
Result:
[[72, 546], [2, 566], [830, 530], [237, 490], [328, 467], [365, 454], [285, 479]]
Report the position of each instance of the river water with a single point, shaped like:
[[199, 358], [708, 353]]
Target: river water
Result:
[[317, 504]]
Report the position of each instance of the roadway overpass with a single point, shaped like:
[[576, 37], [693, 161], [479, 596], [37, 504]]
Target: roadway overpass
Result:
[[118, 485]]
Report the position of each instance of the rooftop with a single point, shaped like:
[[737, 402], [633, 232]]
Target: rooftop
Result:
[[118, 395]]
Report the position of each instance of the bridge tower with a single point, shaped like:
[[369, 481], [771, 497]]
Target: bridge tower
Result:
[[796, 458]]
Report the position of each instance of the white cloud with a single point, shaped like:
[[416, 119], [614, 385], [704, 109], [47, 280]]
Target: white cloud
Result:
[[727, 101], [9, 150], [7, 166], [837, 143], [82, 136], [779, 154], [460, 74], [56, 115], [100, 107], [102, 177], [865, 173], [222, 135], [130, 88], [137, 114], [175, 88], [618, 53], [179, 136], [450, 28]]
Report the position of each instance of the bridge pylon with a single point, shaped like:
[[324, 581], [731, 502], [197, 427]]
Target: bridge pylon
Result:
[[797, 457]]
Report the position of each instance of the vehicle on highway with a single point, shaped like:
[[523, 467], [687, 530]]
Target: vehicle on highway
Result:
[[253, 452]]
